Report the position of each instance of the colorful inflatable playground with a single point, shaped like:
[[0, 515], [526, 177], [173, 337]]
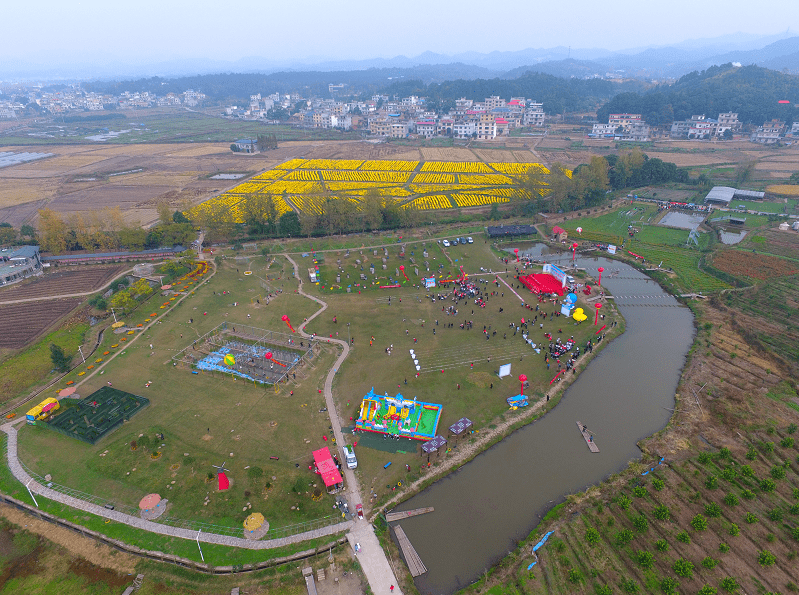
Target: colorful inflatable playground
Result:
[[398, 416]]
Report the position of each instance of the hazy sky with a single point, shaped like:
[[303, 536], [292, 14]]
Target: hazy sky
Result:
[[147, 30]]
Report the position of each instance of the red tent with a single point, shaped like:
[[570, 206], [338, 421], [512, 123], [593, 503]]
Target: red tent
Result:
[[327, 467], [224, 482], [542, 283]]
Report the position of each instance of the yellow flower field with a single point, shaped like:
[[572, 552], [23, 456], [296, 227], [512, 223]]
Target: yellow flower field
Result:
[[427, 203], [470, 183], [430, 178], [783, 189], [388, 165], [475, 200], [469, 167]]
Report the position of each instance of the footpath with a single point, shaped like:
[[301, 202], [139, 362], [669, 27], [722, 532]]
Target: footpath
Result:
[[372, 558]]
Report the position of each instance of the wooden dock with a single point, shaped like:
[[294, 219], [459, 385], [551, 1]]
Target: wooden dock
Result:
[[396, 516], [589, 440], [415, 564]]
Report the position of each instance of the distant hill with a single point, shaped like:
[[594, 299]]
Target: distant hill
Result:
[[751, 91]]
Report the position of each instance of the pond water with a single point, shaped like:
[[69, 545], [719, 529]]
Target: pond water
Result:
[[731, 237], [482, 509], [682, 220]]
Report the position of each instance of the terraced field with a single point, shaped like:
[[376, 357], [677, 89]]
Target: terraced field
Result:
[[21, 323], [62, 282]]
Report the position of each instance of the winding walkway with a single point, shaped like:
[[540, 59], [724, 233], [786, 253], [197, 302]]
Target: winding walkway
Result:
[[373, 559]]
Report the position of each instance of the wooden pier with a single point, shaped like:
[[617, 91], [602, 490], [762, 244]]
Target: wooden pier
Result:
[[589, 439], [396, 516], [415, 564]]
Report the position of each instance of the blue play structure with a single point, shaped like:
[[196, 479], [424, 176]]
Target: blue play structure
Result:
[[517, 401], [214, 361]]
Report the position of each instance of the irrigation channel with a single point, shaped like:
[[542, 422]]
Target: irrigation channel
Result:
[[482, 509]]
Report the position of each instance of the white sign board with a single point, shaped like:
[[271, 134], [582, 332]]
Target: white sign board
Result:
[[504, 370], [429, 282], [611, 248]]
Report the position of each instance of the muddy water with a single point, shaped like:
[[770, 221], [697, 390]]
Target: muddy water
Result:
[[496, 499]]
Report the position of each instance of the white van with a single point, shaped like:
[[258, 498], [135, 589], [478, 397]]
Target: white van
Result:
[[349, 457], [445, 243]]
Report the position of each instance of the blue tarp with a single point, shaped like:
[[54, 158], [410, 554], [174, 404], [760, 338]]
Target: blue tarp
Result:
[[538, 545]]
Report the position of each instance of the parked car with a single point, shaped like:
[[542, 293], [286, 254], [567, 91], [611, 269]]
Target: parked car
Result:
[[470, 240], [349, 457], [445, 243]]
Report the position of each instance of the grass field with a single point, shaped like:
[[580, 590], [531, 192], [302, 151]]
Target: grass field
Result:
[[209, 419]]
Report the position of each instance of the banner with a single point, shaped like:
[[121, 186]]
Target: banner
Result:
[[429, 282], [556, 272], [504, 370], [611, 248]]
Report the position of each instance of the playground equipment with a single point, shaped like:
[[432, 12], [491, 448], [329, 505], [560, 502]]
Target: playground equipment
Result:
[[398, 416], [229, 360], [42, 410]]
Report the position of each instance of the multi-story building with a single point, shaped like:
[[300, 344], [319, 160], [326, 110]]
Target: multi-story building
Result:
[[465, 129], [770, 133], [486, 127], [426, 129], [533, 115], [604, 130], [493, 101], [624, 120]]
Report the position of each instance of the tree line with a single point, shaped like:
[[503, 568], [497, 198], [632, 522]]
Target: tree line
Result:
[[752, 92], [107, 230]]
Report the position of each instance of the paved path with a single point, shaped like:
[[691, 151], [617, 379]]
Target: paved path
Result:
[[372, 557], [139, 523]]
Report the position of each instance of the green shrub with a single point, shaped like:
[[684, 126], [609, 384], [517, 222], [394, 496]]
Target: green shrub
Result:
[[712, 482], [602, 590], [557, 545], [683, 537], [775, 514], [796, 493], [661, 512], [624, 537], [748, 494], [724, 548], [591, 536], [707, 590], [704, 458], [767, 485], [662, 545], [731, 500], [746, 471], [683, 568], [787, 442], [751, 453], [729, 584], [623, 502], [778, 472], [639, 492], [735, 530], [794, 509], [640, 523], [658, 483], [729, 473], [710, 563], [699, 522], [791, 429], [255, 473], [724, 453], [795, 533], [767, 447], [766, 558], [750, 518], [645, 559], [630, 586], [669, 585], [575, 576], [712, 510]]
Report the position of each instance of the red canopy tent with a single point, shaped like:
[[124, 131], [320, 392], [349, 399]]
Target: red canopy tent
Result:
[[327, 469], [542, 283]]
